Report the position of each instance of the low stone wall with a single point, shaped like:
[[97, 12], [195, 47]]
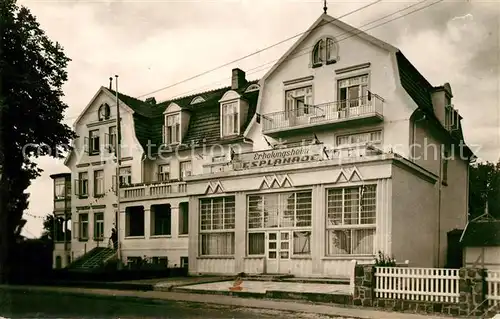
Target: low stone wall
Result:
[[471, 301]]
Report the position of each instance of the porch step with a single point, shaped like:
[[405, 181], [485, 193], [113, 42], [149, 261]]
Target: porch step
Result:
[[266, 277], [332, 281]]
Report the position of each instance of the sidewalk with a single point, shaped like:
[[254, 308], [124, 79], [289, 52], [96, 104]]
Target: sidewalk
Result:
[[296, 306]]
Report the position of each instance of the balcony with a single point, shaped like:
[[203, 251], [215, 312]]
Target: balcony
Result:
[[364, 110], [153, 190]]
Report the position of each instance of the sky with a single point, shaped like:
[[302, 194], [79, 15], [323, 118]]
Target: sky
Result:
[[158, 43]]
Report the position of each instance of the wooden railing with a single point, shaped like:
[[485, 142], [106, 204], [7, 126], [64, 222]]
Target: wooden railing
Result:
[[493, 288], [323, 113], [421, 284]]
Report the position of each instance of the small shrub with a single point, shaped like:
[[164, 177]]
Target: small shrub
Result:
[[383, 260]]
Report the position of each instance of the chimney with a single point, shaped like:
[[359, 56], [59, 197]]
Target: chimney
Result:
[[151, 100], [238, 79]]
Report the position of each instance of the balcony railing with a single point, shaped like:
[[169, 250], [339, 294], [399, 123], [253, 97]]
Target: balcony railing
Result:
[[156, 189], [332, 112]]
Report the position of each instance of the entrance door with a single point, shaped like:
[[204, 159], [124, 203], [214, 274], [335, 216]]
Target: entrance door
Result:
[[278, 252]]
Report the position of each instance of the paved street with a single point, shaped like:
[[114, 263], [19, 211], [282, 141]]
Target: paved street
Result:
[[42, 304]]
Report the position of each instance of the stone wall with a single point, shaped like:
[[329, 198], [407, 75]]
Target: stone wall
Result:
[[471, 286]]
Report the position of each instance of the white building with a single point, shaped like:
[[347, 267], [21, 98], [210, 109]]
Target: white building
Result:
[[238, 187]]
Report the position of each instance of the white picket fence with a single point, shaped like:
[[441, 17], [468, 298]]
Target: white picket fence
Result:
[[493, 288], [421, 284]]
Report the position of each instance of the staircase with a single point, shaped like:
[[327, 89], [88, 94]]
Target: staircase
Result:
[[93, 259]]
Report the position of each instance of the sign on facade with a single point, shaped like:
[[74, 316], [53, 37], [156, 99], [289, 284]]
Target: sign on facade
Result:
[[276, 157]]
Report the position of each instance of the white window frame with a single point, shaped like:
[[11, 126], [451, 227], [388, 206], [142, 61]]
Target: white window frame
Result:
[[280, 207], [226, 229], [99, 226], [81, 222], [172, 129], [299, 101], [367, 199], [125, 176], [325, 51], [164, 173], [112, 138], [359, 83], [230, 124], [99, 183], [185, 171], [59, 188], [94, 142], [83, 180]]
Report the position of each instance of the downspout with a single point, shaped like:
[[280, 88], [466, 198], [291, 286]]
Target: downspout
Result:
[[415, 136], [439, 206]]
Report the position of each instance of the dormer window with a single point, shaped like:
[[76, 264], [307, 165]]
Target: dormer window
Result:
[[230, 119], [324, 52], [104, 112], [197, 99], [252, 88], [172, 133]]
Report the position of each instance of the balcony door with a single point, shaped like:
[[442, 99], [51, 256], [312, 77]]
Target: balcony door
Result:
[[298, 106], [352, 96]]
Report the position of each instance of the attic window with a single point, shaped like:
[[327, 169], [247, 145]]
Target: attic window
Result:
[[324, 52], [104, 112], [253, 87], [230, 119], [197, 99]]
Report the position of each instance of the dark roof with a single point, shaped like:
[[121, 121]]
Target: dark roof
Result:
[[482, 234], [420, 90], [54, 176], [204, 122]]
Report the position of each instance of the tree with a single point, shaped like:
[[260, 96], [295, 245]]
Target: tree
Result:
[[32, 72], [484, 186]]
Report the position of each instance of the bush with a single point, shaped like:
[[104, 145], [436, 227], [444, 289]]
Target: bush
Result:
[[383, 260]]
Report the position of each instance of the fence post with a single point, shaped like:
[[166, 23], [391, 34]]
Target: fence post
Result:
[[472, 293], [353, 276]]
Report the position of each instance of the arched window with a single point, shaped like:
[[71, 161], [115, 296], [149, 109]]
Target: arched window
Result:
[[253, 87], [324, 52], [104, 112]]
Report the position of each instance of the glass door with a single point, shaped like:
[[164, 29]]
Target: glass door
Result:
[[278, 252]]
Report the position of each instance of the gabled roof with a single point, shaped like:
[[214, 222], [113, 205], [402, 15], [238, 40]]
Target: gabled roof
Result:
[[321, 21], [481, 234]]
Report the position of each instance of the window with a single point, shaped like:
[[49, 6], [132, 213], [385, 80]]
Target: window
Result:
[[83, 225], [217, 226], [185, 169], [298, 102], [353, 92], [172, 129], [444, 175], [99, 183], [125, 176], [112, 139], [280, 210], [134, 221], [359, 138], [164, 173], [161, 220], [82, 186], [184, 262], [350, 220], [94, 142], [104, 112], [230, 120], [98, 226], [59, 188], [183, 218], [325, 51]]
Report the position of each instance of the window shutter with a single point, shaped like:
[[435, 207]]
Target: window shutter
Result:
[[75, 230], [77, 188], [113, 181], [86, 145]]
